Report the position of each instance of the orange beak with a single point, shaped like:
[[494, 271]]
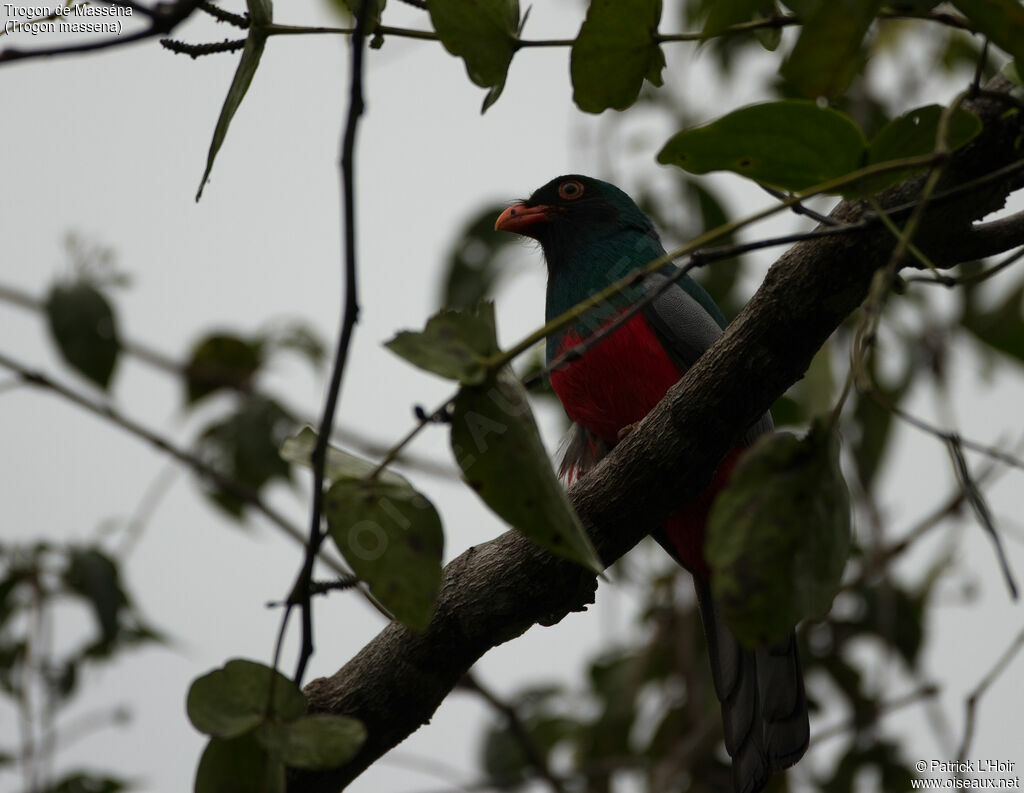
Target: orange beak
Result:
[[519, 218]]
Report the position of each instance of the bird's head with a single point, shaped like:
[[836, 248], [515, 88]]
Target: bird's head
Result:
[[572, 213]]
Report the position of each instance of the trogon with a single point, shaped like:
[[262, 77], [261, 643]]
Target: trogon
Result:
[[593, 234]]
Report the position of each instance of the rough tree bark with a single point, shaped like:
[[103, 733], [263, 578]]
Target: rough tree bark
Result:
[[494, 592]]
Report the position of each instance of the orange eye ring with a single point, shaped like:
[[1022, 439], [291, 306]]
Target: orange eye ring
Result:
[[570, 190]]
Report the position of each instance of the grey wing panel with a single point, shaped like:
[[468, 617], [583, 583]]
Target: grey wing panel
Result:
[[687, 330], [683, 325]]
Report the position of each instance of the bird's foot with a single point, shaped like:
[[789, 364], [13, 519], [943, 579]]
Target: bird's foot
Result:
[[625, 431]]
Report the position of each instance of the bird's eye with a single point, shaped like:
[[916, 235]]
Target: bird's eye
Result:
[[570, 190]]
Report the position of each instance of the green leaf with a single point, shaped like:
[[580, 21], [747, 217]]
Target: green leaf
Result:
[[94, 576], [319, 741], [454, 344], [1002, 326], [260, 13], [392, 538], [481, 32], [828, 53], [350, 9], [1012, 73], [238, 765], [244, 448], [473, 262], [298, 337], [496, 443], [790, 144], [779, 535], [914, 134], [79, 782], [1001, 20], [230, 701], [726, 13], [83, 326], [615, 51], [221, 361]]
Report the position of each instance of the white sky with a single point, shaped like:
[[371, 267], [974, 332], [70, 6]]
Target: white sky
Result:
[[112, 145]]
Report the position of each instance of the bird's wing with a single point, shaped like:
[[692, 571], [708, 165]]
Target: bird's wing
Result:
[[684, 326], [686, 329]]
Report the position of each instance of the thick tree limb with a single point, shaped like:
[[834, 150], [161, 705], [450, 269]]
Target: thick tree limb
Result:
[[496, 591]]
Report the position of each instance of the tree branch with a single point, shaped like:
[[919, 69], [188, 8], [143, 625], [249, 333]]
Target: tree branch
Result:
[[496, 591]]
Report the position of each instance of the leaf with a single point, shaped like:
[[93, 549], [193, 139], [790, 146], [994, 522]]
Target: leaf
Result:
[[454, 344], [496, 443], [472, 267], [726, 13], [83, 327], [828, 53], [230, 701], [914, 134], [298, 449], [1012, 73], [1001, 327], [1000, 20], [238, 765], [481, 32], [221, 361], [392, 538], [615, 51], [261, 13], [244, 448], [792, 145], [78, 782], [297, 337], [779, 534], [94, 575], [319, 741], [350, 9]]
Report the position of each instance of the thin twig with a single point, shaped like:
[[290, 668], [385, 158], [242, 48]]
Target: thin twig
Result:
[[989, 451], [301, 591], [107, 412], [974, 278], [517, 728], [198, 50], [800, 209], [971, 703], [146, 508], [240, 21], [883, 556], [977, 501], [925, 692]]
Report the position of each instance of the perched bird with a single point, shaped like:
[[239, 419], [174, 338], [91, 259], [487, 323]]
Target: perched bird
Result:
[[593, 234]]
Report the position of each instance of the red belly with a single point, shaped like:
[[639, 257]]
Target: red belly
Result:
[[616, 383]]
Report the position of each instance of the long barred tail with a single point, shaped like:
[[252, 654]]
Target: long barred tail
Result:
[[764, 708]]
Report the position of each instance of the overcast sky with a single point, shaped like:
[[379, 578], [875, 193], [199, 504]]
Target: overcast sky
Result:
[[111, 146]]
